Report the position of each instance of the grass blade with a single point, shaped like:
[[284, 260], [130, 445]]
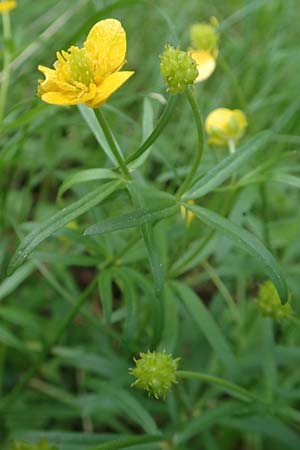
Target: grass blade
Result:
[[246, 241], [222, 171], [207, 325], [137, 218], [50, 226]]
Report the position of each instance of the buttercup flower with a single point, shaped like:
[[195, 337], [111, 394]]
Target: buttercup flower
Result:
[[269, 304], [90, 74], [178, 69], [225, 125], [7, 6], [204, 51], [155, 372]]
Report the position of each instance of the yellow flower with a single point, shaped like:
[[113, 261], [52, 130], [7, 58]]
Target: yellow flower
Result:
[[188, 216], [225, 125], [7, 6], [204, 38], [90, 74]]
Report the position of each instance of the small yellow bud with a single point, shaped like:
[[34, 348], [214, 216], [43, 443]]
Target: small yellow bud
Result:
[[269, 304], [155, 372], [7, 6], [204, 37], [225, 125], [178, 69], [187, 215]]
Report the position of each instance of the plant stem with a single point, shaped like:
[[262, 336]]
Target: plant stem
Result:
[[6, 62], [12, 396], [231, 146], [232, 388], [162, 122], [111, 142], [199, 124]]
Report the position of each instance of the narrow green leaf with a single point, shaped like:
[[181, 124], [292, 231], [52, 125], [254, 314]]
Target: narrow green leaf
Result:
[[128, 288], [7, 338], [285, 178], [131, 407], [126, 442], [105, 290], [11, 283], [149, 239], [246, 241], [21, 317], [154, 258], [207, 325], [137, 218], [265, 426], [50, 226], [222, 171], [84, 176], [171, 322], [209, 418]]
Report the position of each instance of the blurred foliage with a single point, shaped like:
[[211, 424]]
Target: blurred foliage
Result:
[[80, 395]]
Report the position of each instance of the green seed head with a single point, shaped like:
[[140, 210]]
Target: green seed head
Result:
[[269, 304], [204, 37], [155, 372], [178, 69]]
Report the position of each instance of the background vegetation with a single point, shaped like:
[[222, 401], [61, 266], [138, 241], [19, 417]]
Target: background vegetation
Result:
[[79, 394]]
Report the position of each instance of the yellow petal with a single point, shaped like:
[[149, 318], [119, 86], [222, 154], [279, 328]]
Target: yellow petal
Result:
[[108, 87], [217, 120], [7, 6], [106, 46], [69, 97], [240, 118], [206, 64], [51, 82]]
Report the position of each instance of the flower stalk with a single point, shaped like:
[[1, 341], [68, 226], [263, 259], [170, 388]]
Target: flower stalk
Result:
[[111, 142], [200, 144], [6, 62]]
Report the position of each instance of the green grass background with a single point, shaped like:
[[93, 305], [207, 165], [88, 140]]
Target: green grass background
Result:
[[81, 394]]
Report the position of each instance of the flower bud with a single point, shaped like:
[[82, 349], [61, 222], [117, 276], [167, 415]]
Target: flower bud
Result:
[[41, 445], [155, 372], [224, 125], [204, 37], [178, 69], [269, 304], [187, 215]]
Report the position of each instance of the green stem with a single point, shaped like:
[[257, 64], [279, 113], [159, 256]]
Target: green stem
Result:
[[199, 124], [229, 387], [162, 122], [12, 396], [6, 63], [231, 146], [111, 142]]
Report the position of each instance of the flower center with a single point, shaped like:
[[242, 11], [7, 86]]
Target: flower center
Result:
[[75, 66]]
